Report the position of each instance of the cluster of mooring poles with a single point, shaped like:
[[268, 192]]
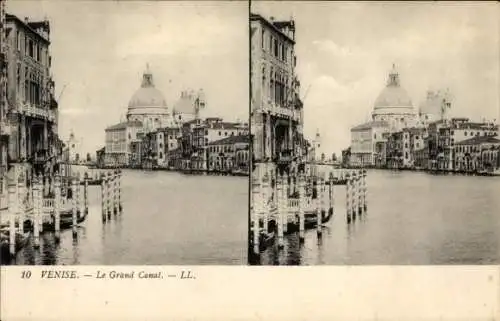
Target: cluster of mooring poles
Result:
[[53, 202], [288, 203], [111, 194]]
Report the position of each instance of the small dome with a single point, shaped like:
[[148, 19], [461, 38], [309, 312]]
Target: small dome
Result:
[[432, 104], [188, 101], [147, 96]]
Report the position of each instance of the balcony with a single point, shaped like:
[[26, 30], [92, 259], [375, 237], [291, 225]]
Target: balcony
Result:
[[282, 112], [285, 156], [37, 112]]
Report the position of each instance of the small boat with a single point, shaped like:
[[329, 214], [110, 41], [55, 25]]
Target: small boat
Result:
[[311, 220], [66, 221], [265, 239]]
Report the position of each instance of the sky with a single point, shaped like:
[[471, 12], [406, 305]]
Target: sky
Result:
[[100, 51], [346, 50]]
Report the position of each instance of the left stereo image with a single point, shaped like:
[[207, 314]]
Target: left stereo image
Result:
[[124, 133]]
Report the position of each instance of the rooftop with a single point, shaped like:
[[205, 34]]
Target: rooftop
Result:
[[232, 140], [275, 25], [31, 25], [478, 140], [371, 124], [124, 125]]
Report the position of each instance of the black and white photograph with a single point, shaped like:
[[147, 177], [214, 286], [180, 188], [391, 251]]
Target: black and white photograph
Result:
[[124, 133], [374, 133]]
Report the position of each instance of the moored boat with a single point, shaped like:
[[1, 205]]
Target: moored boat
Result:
[[21, 240]]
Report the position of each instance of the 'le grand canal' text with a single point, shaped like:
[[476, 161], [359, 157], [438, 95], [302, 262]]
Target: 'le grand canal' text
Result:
[[112, 274]]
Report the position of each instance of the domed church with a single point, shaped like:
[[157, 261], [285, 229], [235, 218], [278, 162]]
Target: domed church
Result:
[[148, 105], [393, 105]]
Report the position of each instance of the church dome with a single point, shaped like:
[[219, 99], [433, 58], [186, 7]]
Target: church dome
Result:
[[393, 98], [147, 96]]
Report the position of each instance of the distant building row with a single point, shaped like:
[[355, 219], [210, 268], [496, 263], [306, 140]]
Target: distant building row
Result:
[[399, 137], [444, 145], [209, 144], [154, 137]]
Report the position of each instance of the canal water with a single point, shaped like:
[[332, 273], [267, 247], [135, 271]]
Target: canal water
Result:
[[412, 218], [168, 218]]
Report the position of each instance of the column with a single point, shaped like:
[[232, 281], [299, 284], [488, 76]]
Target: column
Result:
[[45, 185], [45, 136], [23, 142]]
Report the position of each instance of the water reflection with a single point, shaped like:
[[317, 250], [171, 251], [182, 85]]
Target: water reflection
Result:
[[167, 218], [412, 218]]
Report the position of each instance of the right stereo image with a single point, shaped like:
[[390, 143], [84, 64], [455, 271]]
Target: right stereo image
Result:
[[374, 134]]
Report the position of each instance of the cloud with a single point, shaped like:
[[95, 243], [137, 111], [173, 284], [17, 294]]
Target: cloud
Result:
[[76, 112], [332, 47]]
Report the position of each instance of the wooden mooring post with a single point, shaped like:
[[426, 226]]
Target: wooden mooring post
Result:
[[57, 207], [109, 196], [115, 192], [302, 199], [285, 194], [354, 208], [86, 193], [365, 207], [331, 194], [280, 210], [263, 213], [22, 196], [348, 197], [37, 208], [11, 190], [74, 207], [120, 207], [360, 193], [256, 208], [319, 204], [103, 197]]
